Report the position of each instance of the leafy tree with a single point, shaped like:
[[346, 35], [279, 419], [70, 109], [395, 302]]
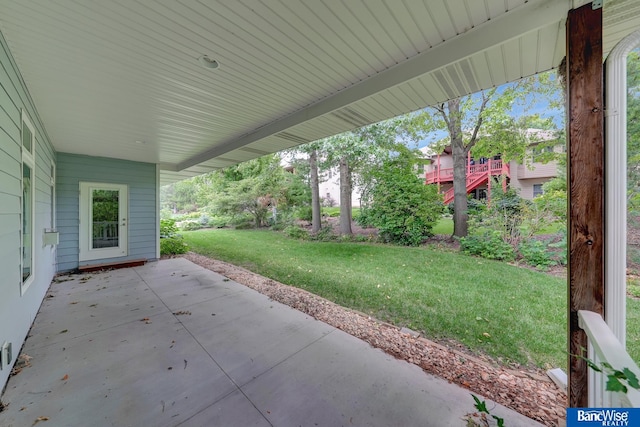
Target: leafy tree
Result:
[[402, 207], [633, 130], [311, 151], [483, 119], [255, 187], [357, 154]]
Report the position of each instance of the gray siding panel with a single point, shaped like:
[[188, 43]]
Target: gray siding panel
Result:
[[18, 311], [141, 181]]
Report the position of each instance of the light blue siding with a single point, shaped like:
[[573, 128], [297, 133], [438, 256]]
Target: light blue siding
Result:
[[18, 311], [143, 215]]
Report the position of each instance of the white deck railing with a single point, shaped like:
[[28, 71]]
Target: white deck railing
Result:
[[605, 347]]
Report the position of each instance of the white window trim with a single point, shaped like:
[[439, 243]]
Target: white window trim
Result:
[[53, 197], [28, 158], [616, 185]]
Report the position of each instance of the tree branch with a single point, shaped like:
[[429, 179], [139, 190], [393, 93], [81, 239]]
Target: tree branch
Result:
[[476, 129]]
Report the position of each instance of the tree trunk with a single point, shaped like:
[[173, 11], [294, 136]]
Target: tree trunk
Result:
[[459, 154], [345, 197], [315, 192]]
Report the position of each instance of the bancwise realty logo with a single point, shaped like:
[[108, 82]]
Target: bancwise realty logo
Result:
[[603, 417]]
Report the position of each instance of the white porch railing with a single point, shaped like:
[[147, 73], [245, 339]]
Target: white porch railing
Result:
[[605, 347]]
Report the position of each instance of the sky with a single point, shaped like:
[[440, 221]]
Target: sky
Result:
[[542, 107]]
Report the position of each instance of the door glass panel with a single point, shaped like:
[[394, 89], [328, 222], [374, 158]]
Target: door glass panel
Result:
[[104, 214], [27, 222]]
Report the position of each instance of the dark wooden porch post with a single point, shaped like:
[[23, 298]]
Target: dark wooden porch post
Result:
[[585, 132]]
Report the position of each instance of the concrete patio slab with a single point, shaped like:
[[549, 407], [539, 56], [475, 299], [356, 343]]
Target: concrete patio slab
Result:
[[139, 352]]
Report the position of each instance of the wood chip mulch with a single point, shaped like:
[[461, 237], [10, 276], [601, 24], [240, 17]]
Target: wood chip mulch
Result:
[[525, 390]]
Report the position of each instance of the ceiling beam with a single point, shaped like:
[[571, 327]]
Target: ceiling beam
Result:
[[523, 19]]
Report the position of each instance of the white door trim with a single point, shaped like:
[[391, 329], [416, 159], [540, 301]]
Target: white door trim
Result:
[[86, 250]]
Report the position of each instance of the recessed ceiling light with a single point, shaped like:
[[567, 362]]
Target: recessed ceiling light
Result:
[[207, 62]]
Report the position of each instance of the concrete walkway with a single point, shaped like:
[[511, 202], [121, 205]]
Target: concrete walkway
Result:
[[173, 344]]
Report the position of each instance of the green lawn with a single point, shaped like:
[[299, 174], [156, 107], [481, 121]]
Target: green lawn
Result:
[[335, 211], [510, 313], [444, 226]]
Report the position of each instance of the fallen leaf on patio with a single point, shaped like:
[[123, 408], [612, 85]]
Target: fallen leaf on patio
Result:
[[181, 312], [93, 305], [185, 363], [40, 419], [66, 377], [64, 331], [73, 302], [169, 368], [144, 319]]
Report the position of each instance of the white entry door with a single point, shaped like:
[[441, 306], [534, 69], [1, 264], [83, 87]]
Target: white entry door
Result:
[[103, 221]]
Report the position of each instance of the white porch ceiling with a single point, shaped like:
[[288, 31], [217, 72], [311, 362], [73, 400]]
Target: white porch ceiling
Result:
[[106, 74]]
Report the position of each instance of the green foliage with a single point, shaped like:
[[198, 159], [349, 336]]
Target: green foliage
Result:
[[559, 248], [189, 225], [220, 221], [505, 230], [474, 206], [259, 188], [443, 227], [168, 228], [296, 232], [304, 213], [617, 381], [171, 243], [402, 207], [504, 215], [633, 130], [173, 246], [481, 406], [487, 244], [553, 201], [333, 212], [326, 234], [536, 253]]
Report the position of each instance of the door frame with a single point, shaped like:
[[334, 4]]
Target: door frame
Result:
[[85, 250]]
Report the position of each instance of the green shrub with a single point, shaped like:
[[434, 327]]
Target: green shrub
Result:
[[189, 225], [173, 246], [168, 228], [559, 248], [171, 242], [474, 206], [243, 222], [304, 213], [487, 244], [219, 221], [325, 234], [536, 253], [295, 232], [402, 208]]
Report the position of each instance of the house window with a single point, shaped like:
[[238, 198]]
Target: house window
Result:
[[537, 190], [538, 153], [28, 202]]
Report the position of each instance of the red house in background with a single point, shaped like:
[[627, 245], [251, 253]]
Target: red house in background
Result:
[[526, 178]]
